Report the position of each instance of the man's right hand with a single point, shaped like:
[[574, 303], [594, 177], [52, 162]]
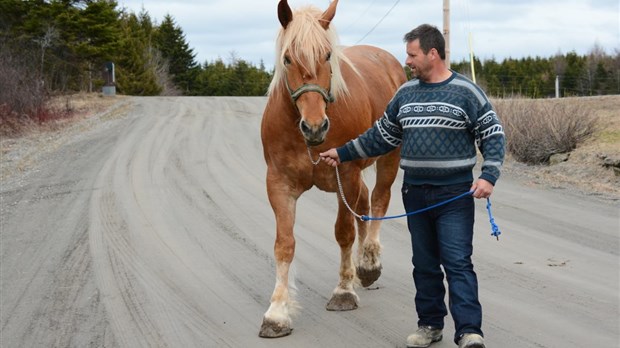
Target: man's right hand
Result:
[[330, 157]]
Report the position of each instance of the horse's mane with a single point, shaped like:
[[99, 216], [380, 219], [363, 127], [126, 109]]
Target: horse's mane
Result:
[[309, 41]]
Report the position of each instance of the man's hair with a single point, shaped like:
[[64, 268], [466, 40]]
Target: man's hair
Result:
[[430, 37]]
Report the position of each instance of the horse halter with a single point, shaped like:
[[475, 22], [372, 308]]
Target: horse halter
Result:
[[327, 95], [311, 87]]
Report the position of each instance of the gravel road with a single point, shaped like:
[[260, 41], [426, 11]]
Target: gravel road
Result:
[[153, 229]]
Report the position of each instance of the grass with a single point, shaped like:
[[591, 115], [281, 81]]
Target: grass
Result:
[[612, 137]]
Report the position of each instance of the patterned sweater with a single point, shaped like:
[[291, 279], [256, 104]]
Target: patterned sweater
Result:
[[439, 126]]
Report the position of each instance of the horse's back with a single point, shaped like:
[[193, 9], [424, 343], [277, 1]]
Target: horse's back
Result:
[[372, 58]]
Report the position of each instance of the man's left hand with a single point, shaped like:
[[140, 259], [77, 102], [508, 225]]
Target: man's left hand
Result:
[[482, 189]]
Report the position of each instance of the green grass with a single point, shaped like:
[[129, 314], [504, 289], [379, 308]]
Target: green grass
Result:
[[609, 136]]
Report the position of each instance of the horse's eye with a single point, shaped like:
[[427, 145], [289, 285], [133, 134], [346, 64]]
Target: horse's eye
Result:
[[287, 61], [329, 56]]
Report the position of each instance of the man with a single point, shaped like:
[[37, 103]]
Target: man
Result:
[[438, 119]]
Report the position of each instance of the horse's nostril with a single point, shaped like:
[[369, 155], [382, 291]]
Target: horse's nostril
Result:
[[325, 125], [304, 127], [308, 130]]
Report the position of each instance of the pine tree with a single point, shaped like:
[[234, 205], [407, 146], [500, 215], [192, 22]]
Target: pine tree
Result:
[[97, 33], [136, 75], [170, 41]]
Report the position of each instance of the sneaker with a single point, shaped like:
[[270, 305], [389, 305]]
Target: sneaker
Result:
[[423, 337], [471, 340]]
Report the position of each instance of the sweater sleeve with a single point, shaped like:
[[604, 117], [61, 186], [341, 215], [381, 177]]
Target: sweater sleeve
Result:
[[385, 135], [491, 142]]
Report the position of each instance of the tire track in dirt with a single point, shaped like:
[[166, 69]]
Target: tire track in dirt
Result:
[[136, 265]]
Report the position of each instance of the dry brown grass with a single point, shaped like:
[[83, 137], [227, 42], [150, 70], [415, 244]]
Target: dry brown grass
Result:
[[24, 143], [84, 104], [57, 113]]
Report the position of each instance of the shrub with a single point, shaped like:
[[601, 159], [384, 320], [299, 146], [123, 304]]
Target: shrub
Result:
[[537, 129], [24, 101], [21, 92]]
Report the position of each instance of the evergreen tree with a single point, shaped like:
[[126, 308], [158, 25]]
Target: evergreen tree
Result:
[[96, 37], [573, 79], [170, 41], [136, 75]]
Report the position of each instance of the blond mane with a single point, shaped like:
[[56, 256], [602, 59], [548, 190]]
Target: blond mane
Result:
[[309, 41]]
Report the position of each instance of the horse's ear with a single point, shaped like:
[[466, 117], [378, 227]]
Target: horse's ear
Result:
[[285, 15], [328, 15]]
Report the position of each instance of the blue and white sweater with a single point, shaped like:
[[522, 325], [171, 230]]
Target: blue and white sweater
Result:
[[439, 126]]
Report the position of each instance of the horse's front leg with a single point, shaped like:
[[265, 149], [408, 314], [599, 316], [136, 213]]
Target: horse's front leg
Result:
[[369, 268], [277, 319], [369, 247], [344, 297]]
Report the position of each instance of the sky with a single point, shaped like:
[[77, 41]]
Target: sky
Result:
[[246, 29]]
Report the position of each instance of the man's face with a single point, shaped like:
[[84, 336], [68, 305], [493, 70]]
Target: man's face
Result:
[[417, 60]]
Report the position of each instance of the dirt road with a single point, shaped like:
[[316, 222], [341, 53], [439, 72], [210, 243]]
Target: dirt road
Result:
[[153, 230]]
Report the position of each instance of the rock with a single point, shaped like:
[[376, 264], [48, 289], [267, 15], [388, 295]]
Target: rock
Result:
[[611, 162], [558, 158]]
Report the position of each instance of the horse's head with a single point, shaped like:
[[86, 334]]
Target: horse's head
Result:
[[305, 52]]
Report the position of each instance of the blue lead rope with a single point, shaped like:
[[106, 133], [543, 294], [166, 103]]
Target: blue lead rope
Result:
[[494, 228], [368, 218], [495, 232]]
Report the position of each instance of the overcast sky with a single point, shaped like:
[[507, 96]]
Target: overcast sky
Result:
[[499, 29]]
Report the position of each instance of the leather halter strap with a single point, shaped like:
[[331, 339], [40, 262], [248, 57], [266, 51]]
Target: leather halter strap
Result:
[[311, 87]]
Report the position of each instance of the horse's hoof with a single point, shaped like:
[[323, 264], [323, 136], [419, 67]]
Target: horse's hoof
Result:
[[368, 276], [273, 329], [345, 301]]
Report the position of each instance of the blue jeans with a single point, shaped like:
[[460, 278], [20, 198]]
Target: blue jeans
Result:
[[443, 237]]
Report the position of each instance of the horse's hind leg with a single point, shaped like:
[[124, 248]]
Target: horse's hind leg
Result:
[[369, 264]]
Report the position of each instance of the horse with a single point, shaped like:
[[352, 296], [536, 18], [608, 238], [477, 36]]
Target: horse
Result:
[[321, 96]]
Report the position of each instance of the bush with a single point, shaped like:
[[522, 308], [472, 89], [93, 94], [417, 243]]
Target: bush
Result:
[[22, 96], [537, 129], [24, 101]]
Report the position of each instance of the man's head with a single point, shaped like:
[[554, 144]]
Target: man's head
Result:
[[426, 50]]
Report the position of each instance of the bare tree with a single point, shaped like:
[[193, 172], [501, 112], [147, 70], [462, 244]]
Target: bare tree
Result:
[[45, 42]]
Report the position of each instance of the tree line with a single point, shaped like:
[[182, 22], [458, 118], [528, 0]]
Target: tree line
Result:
[[596, 73], [64, 44], [61, 46]]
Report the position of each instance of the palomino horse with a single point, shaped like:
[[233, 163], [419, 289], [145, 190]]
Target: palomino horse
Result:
[[321, 96]]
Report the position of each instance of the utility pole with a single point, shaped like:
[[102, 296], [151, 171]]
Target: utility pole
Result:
[[446, 29], [471, 60]]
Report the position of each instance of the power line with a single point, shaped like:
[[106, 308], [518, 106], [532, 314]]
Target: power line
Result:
[[379, 22], [361, 15]]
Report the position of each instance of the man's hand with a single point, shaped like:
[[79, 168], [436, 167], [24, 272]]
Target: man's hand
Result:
[[330, 157], [482, 189]]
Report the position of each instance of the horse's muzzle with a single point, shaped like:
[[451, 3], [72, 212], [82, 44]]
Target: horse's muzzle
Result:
[[314, 134]]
